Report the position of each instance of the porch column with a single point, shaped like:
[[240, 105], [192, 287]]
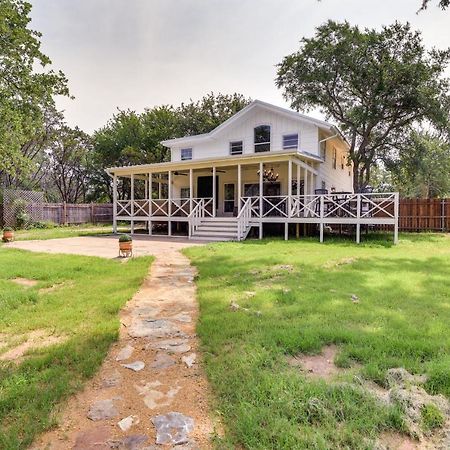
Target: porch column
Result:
[[146, 189], [159, 185], [169, 204], [289, 188], [260, 200], [114, 186], [305, 183], [298, 181], [150, 202], [214, 191], [132, 203], [191, 189], [312, 183], [239, 181]]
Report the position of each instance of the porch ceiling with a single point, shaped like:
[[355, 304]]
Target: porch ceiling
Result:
[[206, 163]]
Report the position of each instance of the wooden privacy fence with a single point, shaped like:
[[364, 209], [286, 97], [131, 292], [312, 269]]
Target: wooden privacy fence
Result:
[[66, 213], [423, 214]]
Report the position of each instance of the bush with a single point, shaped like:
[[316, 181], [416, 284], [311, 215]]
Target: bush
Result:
[[7, 229], [44, 225], [125, 238]]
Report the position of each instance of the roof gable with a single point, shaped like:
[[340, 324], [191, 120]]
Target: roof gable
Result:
[[255, 104]]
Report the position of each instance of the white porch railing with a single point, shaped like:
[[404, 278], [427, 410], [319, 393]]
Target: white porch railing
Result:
[[243, 219], [321, 207]]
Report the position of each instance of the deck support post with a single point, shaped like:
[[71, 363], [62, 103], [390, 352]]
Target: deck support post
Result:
[[396, 207], [132, 203], [260, 230], [114, 186], [321, 217], [239, 181], [169, 205], [289, 191], [214, 192], [261, 189], [150, 202], [286, 231], [358, 218]]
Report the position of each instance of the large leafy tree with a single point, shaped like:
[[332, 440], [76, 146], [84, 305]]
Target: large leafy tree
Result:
[[26, 86], [422, 166], [374, 84]]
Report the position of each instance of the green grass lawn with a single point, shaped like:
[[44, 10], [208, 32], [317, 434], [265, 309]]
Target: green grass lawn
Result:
[[402, 320], [63, 232], [82, 309]]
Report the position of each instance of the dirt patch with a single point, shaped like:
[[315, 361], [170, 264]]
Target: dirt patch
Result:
[[397, 441], [55, 287], [24, 282], [317, 366], [340, 262], [34, 340]]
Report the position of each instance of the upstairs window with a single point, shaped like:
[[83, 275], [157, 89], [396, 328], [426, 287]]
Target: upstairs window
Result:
[[290, 141], [323, 150], [262, 138], [186, 154], [236, 148], [334, 161]]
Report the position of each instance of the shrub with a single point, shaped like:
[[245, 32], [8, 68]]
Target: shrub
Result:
[[8, 229], [125, 238]]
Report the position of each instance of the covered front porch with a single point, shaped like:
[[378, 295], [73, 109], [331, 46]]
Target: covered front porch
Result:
[[224, 199]]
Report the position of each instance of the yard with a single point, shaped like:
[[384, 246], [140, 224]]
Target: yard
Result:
[[69, 306], [383, 306]]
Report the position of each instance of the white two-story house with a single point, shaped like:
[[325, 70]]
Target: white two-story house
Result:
[[265, 164]]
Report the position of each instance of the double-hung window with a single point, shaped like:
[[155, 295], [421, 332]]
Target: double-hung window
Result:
[[290, 141], [323, 150], [262, 138], [334, 161], [236, 148], [186, 154]]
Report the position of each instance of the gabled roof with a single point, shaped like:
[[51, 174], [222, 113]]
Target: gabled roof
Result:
[[253, 105]]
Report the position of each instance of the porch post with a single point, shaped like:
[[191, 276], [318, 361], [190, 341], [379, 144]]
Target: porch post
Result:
[[298, 181], [396, 213], [289, 187], [132, 203], [312, 183], [260, 200], [191, 189], [115, 203], [169, 204], [150, 202], [239, 181], [214, 192]]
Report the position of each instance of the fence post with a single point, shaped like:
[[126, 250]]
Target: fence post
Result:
[[64, 217], [92, 212]]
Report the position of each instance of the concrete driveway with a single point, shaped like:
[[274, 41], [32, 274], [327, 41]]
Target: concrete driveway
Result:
[[106, 246]]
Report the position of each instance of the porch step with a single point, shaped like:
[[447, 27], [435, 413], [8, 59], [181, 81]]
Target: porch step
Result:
[[217, 229]]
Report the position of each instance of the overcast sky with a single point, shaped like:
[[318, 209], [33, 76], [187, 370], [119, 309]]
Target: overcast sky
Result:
[[141, 53]]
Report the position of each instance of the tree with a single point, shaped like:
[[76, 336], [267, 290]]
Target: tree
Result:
[[422, 166], [443, 4], [374, 84], [208, 113], [24, 91], [69, 157]]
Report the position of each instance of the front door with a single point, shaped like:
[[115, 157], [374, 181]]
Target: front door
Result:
[[205, 188], [228, 201]]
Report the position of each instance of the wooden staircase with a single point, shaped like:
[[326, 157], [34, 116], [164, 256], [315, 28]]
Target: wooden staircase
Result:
[[217, 229]]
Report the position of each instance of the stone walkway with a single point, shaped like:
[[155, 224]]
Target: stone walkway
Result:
[[151, 391]]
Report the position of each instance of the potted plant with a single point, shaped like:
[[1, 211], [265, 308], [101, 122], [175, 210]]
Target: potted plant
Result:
[[8, 234], [125, 245]]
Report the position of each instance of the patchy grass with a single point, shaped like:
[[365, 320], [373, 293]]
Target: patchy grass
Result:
[[62, 232], [82, 308], [398, 317]]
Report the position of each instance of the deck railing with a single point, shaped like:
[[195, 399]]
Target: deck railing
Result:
[[321, 207], [243, 219]]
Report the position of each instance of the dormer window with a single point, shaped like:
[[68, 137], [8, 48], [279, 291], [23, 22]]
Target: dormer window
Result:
[[290, 141], [186, 154], [262, 138]]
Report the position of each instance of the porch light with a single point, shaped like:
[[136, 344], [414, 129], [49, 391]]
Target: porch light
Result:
[[269, 175]]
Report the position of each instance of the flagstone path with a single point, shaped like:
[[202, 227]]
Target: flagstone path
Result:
[[151, 391]]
